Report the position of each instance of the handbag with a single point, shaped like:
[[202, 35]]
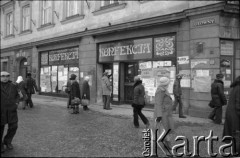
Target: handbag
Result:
[[75, 101], [210, 104], [85, 101]]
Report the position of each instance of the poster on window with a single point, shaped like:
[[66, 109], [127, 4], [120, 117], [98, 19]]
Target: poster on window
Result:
[[44, 58], [202, 84], [164, 46]]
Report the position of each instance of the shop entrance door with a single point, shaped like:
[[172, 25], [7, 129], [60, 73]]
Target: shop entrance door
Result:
[[130, 71], [23, 68]]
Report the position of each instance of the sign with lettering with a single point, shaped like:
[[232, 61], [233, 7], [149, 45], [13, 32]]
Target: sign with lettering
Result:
[[164, 46], [204, 22], [125, 50], [63, 56], [21, 53], [227, 47], [44, 58], [183, 60]]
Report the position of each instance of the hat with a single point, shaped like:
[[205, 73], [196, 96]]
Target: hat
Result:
[[219, 76], [73, 77], [29, 74], [4, 73], [137, 78], [163, 81]]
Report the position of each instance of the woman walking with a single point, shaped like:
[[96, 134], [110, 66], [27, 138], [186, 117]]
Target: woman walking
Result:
[[85, 93], [74, 94], [21, 85], [163, 110], [138, 102]]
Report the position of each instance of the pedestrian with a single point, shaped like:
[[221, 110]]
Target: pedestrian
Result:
[[21, 85], [163, 110], [106, 91], [218, 99], [67, 90], [232, 119], [86, 92], [9, 97], [177, 92], [74, 93], [30, 87], [138, 102]]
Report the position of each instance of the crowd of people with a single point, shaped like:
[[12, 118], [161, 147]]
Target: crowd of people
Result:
[[19, 93]]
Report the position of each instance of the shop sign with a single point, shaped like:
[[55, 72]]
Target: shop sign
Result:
[[63, 56], [195, 62], [183, 60], [164, 46], [126, 50], [204, 22], [21, 54], [227, 47]]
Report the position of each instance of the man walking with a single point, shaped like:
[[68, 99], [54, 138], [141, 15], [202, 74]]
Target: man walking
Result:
[[9, 97], [177, 92], [30, 86], [218, 99], [106, 91]]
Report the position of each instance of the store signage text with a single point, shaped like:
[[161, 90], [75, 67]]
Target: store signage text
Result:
[[21, 54], [205, 22], [63, 56]]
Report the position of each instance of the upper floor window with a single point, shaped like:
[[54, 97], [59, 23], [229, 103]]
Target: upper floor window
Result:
[[72, 8], [109, 2], [9, 23], [26, 18], [46, 12]]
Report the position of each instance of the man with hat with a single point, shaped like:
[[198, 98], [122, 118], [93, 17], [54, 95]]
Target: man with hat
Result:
[[30, 86], [177, 92], [106, 91], [9, 98], [218, 99]]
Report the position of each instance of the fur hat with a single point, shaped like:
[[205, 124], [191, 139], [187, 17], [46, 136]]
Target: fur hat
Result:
[[219, 76], [4, 73], [73, 77], [164, 81], [136, 78]]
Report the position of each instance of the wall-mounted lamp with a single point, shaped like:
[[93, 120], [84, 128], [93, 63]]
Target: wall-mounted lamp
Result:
[[15, 28], [33, 21], [87, 4], [57, 15]]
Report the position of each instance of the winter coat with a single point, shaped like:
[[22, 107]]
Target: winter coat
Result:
[[75, 90], [163, 107], [21, 87], [9, 98], [30, 85], [217, 93], [232, 119], [106, 86], [138, 93], [177, 90], [86, 90]]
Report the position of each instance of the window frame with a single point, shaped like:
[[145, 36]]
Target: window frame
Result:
[[23, 24], [48, 11], [108, 3], [9, 29]]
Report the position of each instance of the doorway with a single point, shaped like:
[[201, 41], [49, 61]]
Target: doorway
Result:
[[23, 68]]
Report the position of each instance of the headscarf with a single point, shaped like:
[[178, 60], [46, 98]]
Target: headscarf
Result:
[[19, 79]]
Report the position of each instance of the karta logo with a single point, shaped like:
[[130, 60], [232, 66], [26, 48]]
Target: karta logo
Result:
[[159, 142]]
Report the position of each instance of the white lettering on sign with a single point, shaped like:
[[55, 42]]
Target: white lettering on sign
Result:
[[183, 60], [21, 54], [125, 50], [63, 56], [205, 22]]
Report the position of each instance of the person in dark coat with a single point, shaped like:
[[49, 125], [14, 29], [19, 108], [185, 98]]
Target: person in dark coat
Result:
[[9, 97], [86, 91], [21, 86], [106, 91], [177, 91], [74, 92], [232, 119], [30, 86], [67, 90], [218, 99], [138, 102]]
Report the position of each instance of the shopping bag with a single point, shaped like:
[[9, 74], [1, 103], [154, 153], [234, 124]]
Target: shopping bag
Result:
[[75, 101], [85, 101]]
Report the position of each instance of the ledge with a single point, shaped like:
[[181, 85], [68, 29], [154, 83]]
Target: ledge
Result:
[[72, 19], [25, 32], [45, 26], [9, 37], [109, 8]]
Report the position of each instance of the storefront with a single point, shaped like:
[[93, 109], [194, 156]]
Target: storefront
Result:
[[125, 59], [56, 66]]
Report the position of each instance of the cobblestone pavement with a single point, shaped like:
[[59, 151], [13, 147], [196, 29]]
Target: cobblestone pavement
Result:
[[51, 131]]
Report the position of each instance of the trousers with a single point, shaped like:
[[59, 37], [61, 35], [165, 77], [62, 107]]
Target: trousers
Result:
[[12, 129], [29, 100], [216, 115], [137, 111], [178, 100], [106, 101]]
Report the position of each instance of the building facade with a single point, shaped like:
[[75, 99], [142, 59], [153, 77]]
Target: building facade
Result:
[[53, 39]]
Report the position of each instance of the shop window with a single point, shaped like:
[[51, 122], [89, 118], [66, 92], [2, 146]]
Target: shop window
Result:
[[54, 79], [74, 70], [9, 24], [45, 79]]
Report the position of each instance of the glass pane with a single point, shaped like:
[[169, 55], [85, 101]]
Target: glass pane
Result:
[[62, 77], [74, 70], [54, 79], [45, 84]]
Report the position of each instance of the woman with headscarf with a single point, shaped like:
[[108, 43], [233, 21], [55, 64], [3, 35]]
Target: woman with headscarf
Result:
[[232, 119], [21, 85], [85, 92], [74, 93], [163, 110]]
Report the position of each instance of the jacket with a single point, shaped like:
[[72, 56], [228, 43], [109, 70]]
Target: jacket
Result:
[[9, 98], [106, 86], [86, 90], [138, 93], [21, 87], [177, 90], [75, 90], [30, 85], [217, 93]]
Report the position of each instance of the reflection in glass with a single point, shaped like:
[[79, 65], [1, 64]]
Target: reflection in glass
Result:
[[45, 84]]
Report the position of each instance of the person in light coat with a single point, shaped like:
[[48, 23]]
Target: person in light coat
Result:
[[106, 91], [86, 91], [21, 85], [163, 109]]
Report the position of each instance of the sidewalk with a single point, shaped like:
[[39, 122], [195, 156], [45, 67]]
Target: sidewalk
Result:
[[117, 110]]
